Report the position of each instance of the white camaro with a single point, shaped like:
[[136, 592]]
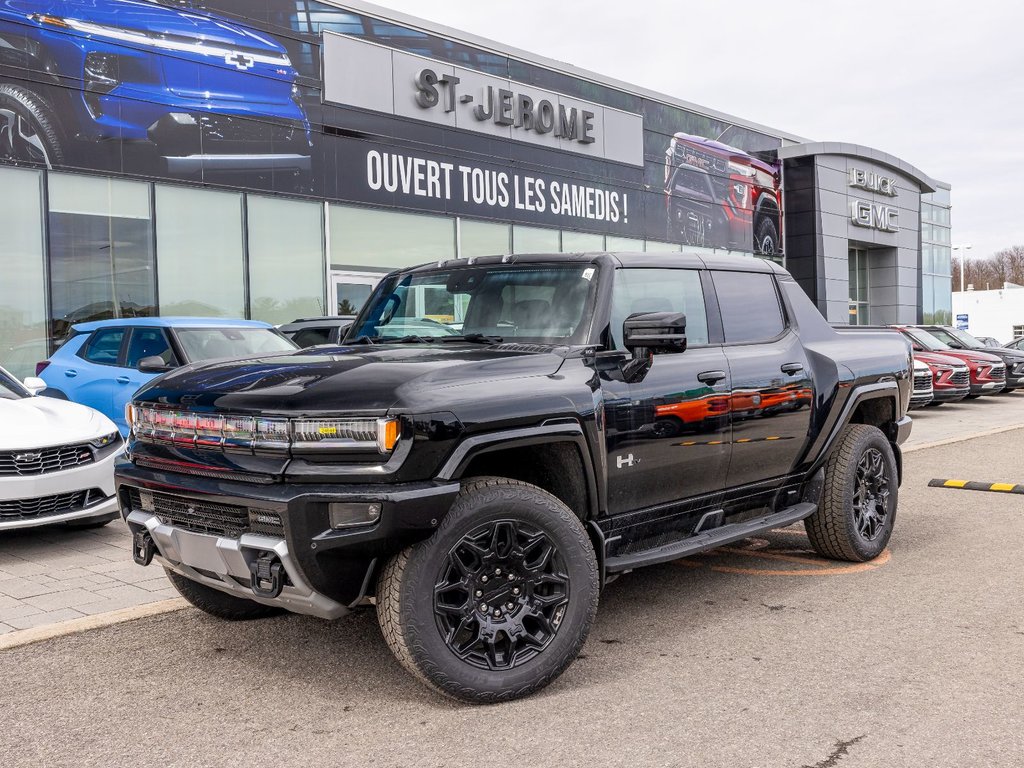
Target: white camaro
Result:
[[56, 459]]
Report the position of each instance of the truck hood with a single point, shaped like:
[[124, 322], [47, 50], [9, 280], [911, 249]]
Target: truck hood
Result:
[[413, 378]]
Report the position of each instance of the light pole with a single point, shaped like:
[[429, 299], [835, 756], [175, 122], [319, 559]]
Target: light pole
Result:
[[963, 262]]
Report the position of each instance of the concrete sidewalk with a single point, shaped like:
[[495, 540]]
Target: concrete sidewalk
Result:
[[55, 574], [51, 575]]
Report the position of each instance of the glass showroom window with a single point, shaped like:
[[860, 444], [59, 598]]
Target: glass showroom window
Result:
[[286, 259], [624, 244], [483, 238], [363, 237], [101, 250], [581, 242], [535, 240], [199, 234], [859, 287], [23, 282]]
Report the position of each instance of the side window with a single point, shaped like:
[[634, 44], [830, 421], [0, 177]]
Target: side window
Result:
[[150, 342], [104, 347], [750, 306], [310, 337], [660, 290]]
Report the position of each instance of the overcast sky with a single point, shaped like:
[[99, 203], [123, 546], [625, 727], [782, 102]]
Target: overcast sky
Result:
[[939, 84]]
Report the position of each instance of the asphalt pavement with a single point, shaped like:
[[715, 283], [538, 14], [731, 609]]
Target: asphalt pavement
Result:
[[759, 656]]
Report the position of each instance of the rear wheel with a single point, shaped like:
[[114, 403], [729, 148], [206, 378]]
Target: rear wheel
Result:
[[499, 601], [767, 237], [217, 603], [28, 129], [858, 506]]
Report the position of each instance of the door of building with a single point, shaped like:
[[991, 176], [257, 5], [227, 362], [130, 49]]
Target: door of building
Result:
[[350, 290], [859, 297]]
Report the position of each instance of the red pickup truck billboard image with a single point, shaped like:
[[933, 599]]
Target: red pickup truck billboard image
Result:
[[721, 197]]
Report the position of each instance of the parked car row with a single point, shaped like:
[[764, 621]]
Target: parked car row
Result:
[[960, 365]]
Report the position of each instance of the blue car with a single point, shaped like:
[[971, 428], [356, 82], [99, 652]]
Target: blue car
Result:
[[193, 92], [102, 364]]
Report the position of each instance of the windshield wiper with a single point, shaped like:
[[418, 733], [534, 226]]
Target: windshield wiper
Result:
[[406, 340], [473, 338], [360, 340]]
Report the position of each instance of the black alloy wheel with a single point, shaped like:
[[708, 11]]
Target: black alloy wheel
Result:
[[857, 509], [871, 496], [499, 600], [501, 595]]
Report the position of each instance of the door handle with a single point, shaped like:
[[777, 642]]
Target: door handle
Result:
[[792, 368], [711, 377], [122, 380], [71, 373]]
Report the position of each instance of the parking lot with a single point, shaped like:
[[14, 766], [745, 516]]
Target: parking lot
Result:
[[757, 655]]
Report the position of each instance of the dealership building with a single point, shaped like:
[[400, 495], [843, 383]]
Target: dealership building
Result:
[[272, 160]]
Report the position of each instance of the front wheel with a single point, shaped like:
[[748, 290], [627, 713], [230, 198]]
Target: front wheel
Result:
[[499, 601], [858, 503], [28, 129]]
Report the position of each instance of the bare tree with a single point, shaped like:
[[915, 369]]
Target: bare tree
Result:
[[1005, 266]]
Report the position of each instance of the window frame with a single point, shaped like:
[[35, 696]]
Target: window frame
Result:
[[712, 316], [787, 322], [83, 351], [168, 337]]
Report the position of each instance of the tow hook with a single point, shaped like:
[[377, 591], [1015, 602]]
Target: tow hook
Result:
[[143, 547], [267, 576]]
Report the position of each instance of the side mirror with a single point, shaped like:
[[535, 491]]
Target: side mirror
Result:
[[154, 364], [34, 385], [918, 348], [644, 333]]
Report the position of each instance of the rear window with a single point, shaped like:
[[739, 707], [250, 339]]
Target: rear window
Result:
[[214, 343], [750, 306], [310, 337], [105, 346]]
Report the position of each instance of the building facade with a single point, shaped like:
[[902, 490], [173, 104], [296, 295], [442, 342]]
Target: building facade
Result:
[[273, 160]]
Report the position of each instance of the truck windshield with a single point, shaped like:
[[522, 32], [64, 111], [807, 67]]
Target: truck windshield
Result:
[[213, 343], [536, 303]]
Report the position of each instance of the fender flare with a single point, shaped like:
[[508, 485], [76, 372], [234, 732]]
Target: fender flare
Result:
[[561, 431], [860, 394]]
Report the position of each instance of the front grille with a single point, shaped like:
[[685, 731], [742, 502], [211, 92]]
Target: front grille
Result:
[[998, 372], [44, 460], [960, 378], [923, 382], [687, 154], [233, 129], [209, 517], [48, 506]]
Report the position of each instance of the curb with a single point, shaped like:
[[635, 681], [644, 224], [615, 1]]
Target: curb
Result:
[[962, 438], [86, 623]]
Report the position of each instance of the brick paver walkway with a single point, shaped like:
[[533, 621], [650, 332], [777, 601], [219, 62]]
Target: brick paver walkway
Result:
[[54, 574]]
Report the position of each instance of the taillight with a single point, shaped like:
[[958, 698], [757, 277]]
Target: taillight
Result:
[[40, 367]]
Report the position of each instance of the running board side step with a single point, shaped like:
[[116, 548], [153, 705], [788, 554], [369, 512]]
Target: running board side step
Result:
[[715, 537]]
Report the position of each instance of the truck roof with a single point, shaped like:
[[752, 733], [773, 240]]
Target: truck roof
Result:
[[635, 259]]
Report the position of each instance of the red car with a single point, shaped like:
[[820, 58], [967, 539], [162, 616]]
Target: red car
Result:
[[951, 378], [987, 372]]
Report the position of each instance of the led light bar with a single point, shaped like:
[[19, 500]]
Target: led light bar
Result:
[[235, 432]]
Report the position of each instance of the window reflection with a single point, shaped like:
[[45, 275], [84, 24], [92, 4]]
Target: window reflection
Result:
[[101, 251]]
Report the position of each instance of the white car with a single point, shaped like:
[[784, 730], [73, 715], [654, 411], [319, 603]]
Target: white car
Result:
[[56, 459]]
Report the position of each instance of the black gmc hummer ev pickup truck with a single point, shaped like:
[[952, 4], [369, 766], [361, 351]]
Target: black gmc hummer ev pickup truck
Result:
[[498, 438]]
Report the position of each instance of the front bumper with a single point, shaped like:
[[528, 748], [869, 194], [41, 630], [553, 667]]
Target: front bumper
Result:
[[328, 567], [903, 428], [987, 387], [950, 394], [82, 493], [224, 563]]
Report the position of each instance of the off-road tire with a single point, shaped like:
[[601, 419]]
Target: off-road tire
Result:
[[405, 599], [832, 529], [33, 109], [217, 603], [766, 230]]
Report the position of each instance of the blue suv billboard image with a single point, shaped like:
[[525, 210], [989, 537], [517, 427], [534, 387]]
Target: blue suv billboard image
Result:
[[147, 88], [231, 93]]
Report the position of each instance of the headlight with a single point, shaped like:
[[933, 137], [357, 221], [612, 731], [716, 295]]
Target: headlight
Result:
[[103, 442], [345, 434]]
